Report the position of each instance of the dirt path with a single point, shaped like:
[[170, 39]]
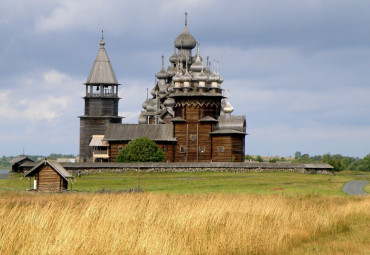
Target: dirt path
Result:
[[355, 188]]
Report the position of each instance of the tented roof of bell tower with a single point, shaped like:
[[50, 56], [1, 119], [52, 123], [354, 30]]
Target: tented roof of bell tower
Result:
[[102, 71]]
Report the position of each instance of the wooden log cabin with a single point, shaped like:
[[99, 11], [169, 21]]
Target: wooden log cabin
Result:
[[18, 161], [49, 176], [188, 115]]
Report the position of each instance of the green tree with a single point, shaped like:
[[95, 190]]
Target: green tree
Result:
[[297, 155], [259, 158], [141, 150], [248, 157], [365, 164]]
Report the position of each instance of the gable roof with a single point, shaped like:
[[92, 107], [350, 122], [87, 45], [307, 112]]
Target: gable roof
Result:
[[227, 132], [317, 166], [102, 71], [97, 140], [19, 159], [231, 122], [56, 166], [128, 132]]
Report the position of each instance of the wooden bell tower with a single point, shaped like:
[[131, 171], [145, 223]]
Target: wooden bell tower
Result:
[[101, 102]]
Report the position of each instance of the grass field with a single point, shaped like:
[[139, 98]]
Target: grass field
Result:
[[209, 182], [152, 223], [188, 213]]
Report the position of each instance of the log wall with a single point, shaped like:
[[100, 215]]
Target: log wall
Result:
[[48, 180]]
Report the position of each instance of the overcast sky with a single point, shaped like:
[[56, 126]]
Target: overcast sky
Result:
[[298, 70]]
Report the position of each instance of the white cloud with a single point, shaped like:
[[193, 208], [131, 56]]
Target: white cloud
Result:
[[130, 117], [45, 96], [54, 77], [47, 107]]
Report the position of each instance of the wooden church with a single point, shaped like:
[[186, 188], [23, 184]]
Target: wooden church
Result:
[[188, 115]]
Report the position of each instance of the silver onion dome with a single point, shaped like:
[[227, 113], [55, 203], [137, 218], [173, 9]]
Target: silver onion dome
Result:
[[169, 102], [162, 74], [214, 77], [145, 104], [186, 76], [185, 40], [173, 58], [171, 70], [200, 76], [228, 108]]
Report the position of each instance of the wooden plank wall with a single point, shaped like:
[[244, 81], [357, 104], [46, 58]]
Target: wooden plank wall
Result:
[[238, 148], [205, 140], [226, 143], [90, 126], [49, 180], [180, 134], [101, 106]]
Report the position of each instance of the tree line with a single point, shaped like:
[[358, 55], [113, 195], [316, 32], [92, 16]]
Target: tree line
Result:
[[337, 161], [4, 160]]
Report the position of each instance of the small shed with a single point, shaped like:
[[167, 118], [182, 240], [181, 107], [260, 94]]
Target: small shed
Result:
[[49, 176], [319, 168], [19, 160]]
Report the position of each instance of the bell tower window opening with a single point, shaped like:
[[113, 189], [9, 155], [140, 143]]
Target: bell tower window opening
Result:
[[107, 91]]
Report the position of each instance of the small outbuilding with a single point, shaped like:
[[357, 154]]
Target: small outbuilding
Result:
[[49, 176], [18, 161]]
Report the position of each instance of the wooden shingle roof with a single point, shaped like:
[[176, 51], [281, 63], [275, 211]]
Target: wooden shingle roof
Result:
[[56, 166], [128, 132], [18, 159], [231, 122], [102, 70]]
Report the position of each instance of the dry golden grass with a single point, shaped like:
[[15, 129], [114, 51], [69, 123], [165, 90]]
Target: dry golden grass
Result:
[[182, 224]]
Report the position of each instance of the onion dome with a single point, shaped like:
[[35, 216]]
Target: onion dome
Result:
[[228, 108], [200, 76], [153, 92], [177, 77], [162, 74], [171, 70], [143, 119], [214, 77], [186, 76], [169, 102], [197, 66], [173, 58], [170, 89], [145, 104], [151, 106], [181, 57], [185, 40], [221, 80], [162, 93]]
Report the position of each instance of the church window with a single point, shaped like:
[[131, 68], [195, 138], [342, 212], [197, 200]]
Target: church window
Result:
[[193, 138], [220, 148]]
